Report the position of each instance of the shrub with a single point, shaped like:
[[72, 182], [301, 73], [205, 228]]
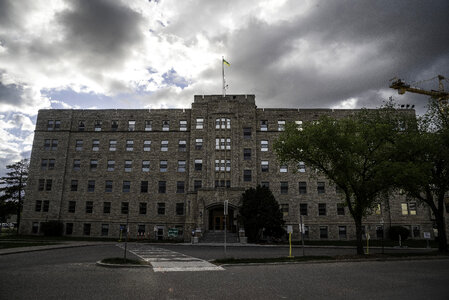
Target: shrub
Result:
[[396, 231], [52, 228]]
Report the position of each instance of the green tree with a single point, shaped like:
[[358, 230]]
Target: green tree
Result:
[[260, 214], [13, 185], [422, 159], [352, 152]]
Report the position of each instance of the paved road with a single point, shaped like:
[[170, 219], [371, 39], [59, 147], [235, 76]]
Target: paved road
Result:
[[72, 274]]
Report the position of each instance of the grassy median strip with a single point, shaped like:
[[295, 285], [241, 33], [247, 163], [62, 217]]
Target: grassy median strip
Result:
[[122, 261], [269, 260]]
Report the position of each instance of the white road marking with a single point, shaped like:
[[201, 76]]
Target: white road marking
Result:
[[164, 260]]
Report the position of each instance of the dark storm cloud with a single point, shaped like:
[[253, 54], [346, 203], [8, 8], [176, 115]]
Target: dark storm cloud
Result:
[[101, 33], [10, 94], [404, 38]]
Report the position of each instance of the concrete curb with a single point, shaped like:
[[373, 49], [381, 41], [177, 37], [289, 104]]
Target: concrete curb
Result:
[[337, 261], [18, 250], [105, 265]]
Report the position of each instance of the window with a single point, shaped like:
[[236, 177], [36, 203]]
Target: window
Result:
[[342, 232], [247, 154], [74, 185], [321, 209], [93, 164], [86, 229], [104, 229], [72, 206], [44, 164], [35, 227], [165, 125], [95, 145], [81, 126], [148, 125], [76, 164], [182, 146], [301, 167], [144, 186], [340, 209], [164, 146], [106, 207], [265, 184], [302, 187], [283, 169], [223, 143], [141, 229], [114, 125], [146, 146], [379, 231], [79, 145], [303, 209], [48, 184], [131, 125], [68, 228], [108, 186], [281, 125], [181, 165], [408, 208], [182, 125], [50, 125], [198, 164], [54, 145], [145, 166], [179, 209], [89, 207], [320, 188], [142, 208], [41, 185], [125, 208], [306, 232], [228, 165], [112, 145], [163, 166], [97, 125], [284, 187], [51, 164], [323, 232], [126, 186], [199, 123], [38, 206], [263, 125], [378, 209], [284, 209], [223, 123], [111, 165], [223, 165], [247, 175], [198, 144], [416, 231], [298, 125], [180, 187], [197, 184], [162, 187], [264, 166], [47, 144], [228, 144], [161, 208], [91, 185], [247, 133], [129, 145], [264, 146], [128, 165]]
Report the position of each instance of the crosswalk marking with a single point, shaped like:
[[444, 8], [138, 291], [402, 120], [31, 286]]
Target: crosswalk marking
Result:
[[164, 260]]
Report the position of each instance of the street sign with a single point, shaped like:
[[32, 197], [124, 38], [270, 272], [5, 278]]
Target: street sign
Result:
[[172, 232], [426, 235], [226, 203], [290, 229]]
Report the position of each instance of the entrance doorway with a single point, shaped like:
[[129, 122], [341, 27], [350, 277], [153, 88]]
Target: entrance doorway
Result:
[[217, 219]]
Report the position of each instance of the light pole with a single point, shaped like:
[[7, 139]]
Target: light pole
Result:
[[127, 231], [382, 241]]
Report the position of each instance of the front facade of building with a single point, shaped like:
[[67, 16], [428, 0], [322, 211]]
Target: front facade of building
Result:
[[165, 169]]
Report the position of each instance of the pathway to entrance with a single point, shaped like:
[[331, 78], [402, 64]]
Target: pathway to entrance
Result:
[[164, 260]]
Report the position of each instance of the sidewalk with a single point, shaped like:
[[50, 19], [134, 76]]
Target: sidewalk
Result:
[[61, 245]]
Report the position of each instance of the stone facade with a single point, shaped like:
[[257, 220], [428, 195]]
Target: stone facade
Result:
[[94, 170]]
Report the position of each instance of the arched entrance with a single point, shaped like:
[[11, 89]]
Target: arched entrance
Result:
[[217, 219]]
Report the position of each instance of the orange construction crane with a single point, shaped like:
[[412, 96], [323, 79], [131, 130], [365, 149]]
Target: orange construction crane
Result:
[[441, 95]]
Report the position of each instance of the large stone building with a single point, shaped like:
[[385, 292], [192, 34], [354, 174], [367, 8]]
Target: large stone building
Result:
[[174, 168]]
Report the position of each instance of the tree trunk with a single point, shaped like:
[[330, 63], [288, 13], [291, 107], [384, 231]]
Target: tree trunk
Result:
[[442, 238], [358, 231]]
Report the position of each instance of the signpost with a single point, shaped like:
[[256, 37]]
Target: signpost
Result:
[[172, 232], [225, 212], [302, 230], [290, 231], [427, 237]]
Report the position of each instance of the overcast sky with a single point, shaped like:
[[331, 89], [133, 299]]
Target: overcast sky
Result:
[[158, 54]]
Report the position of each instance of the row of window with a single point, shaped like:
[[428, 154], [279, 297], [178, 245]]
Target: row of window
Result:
[[126, 186], [145, 167], [220, 123]]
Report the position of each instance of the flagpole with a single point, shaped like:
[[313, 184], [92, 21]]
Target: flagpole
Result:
[[222, 73]]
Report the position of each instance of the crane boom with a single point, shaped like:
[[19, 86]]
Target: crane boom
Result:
[[441, 95]]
